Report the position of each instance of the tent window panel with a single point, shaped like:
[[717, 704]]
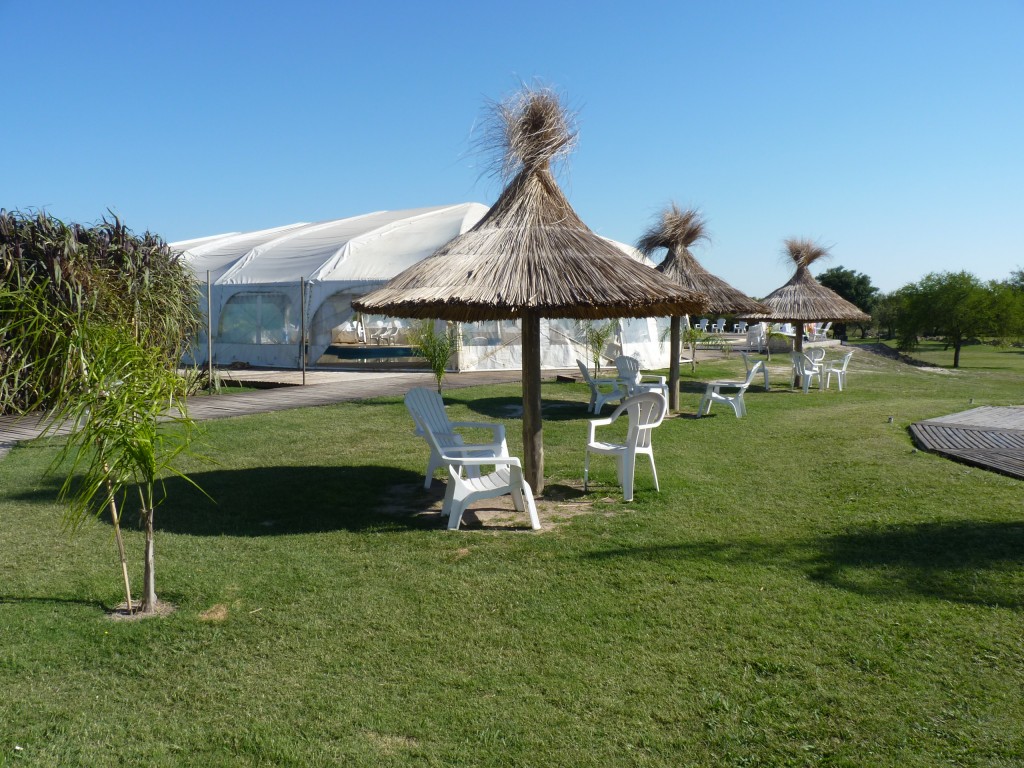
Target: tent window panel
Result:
[[258, 318], [336, 310], [635, 330]]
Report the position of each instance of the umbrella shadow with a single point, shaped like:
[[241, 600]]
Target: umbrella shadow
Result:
[[976, 563], [964, 561], [281, 500], [512, 408]]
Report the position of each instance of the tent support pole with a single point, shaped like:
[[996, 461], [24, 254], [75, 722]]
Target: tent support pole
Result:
[[533, 437], [209, 332], [673, 365], [302, 326]]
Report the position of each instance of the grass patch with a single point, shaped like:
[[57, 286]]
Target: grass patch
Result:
[[806, 589]]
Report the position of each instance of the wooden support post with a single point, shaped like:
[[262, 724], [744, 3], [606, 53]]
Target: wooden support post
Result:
[[533, 435], [673, 365]]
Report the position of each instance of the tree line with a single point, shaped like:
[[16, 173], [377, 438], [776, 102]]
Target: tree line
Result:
[[954, 307]]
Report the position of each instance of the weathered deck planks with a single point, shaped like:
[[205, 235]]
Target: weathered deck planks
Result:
[[989, 437]]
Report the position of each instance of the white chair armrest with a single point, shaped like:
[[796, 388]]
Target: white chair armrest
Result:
[[478, 461], [496, 448]]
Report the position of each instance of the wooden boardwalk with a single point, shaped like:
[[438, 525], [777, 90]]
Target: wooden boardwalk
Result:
[[330, 388], [988, 437]]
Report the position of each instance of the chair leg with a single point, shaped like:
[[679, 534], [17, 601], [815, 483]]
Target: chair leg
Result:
[[531, 506], [705, 406], [654, 472], [451, 506], [627, 466], [586, 468], [432, 465]]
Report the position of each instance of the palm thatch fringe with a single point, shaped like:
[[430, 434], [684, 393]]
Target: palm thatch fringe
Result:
[[804, 299], [531, 253], [677, 231]]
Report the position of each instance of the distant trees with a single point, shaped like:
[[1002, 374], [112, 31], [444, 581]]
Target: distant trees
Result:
[[956, 307], [856, 288]]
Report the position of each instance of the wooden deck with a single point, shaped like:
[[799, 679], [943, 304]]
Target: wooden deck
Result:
[[323, 388], [988, 437]]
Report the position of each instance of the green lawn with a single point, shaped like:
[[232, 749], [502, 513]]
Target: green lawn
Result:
[[807, 589]]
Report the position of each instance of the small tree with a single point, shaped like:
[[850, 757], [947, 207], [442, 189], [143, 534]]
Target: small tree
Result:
[[691, 336], [128, 406], [436, 348], [597, 336]]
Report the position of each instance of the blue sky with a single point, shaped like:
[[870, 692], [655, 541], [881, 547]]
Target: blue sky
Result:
[[892, 131]]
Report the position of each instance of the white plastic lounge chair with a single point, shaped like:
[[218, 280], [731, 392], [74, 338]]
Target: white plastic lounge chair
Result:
[[734, 399], [636, 382], [749, 364], [601, 390], [839, 369], [807, 369], [427, 410], [645, 411], [507, 478]]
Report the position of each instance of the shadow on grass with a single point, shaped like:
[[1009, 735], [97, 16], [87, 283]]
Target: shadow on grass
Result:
[[977, 563], [18, 599], [275, 501], [966, 562], [512, 408]]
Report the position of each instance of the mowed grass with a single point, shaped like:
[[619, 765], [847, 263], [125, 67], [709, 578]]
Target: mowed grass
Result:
[[806, 589]]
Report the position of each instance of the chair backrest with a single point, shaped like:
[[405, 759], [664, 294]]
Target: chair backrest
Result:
[[628, 368], [846, 360], [585, 372], [645, 411], [816, 355], [427, 409], [752, 371]]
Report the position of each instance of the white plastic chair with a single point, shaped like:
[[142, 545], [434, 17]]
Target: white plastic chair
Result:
[[645, 411], [839, 369], [749, 364], [507, 478], [427, 410], [740, 327], [756, 338], [719, 326], [599, 396], [636, 382], [807, 369], [734, 399], [702, 325]]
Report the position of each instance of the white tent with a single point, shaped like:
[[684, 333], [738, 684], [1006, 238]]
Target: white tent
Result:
[[254, 280]]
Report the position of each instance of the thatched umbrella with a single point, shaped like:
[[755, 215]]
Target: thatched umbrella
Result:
[[530, 257], [803, 299], [677, 231]]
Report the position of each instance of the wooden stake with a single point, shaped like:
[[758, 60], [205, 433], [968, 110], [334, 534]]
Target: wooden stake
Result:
[[533, 435]]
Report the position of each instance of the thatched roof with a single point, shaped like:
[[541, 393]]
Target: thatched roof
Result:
[[531, 253], [804, 299], [676, 231]]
